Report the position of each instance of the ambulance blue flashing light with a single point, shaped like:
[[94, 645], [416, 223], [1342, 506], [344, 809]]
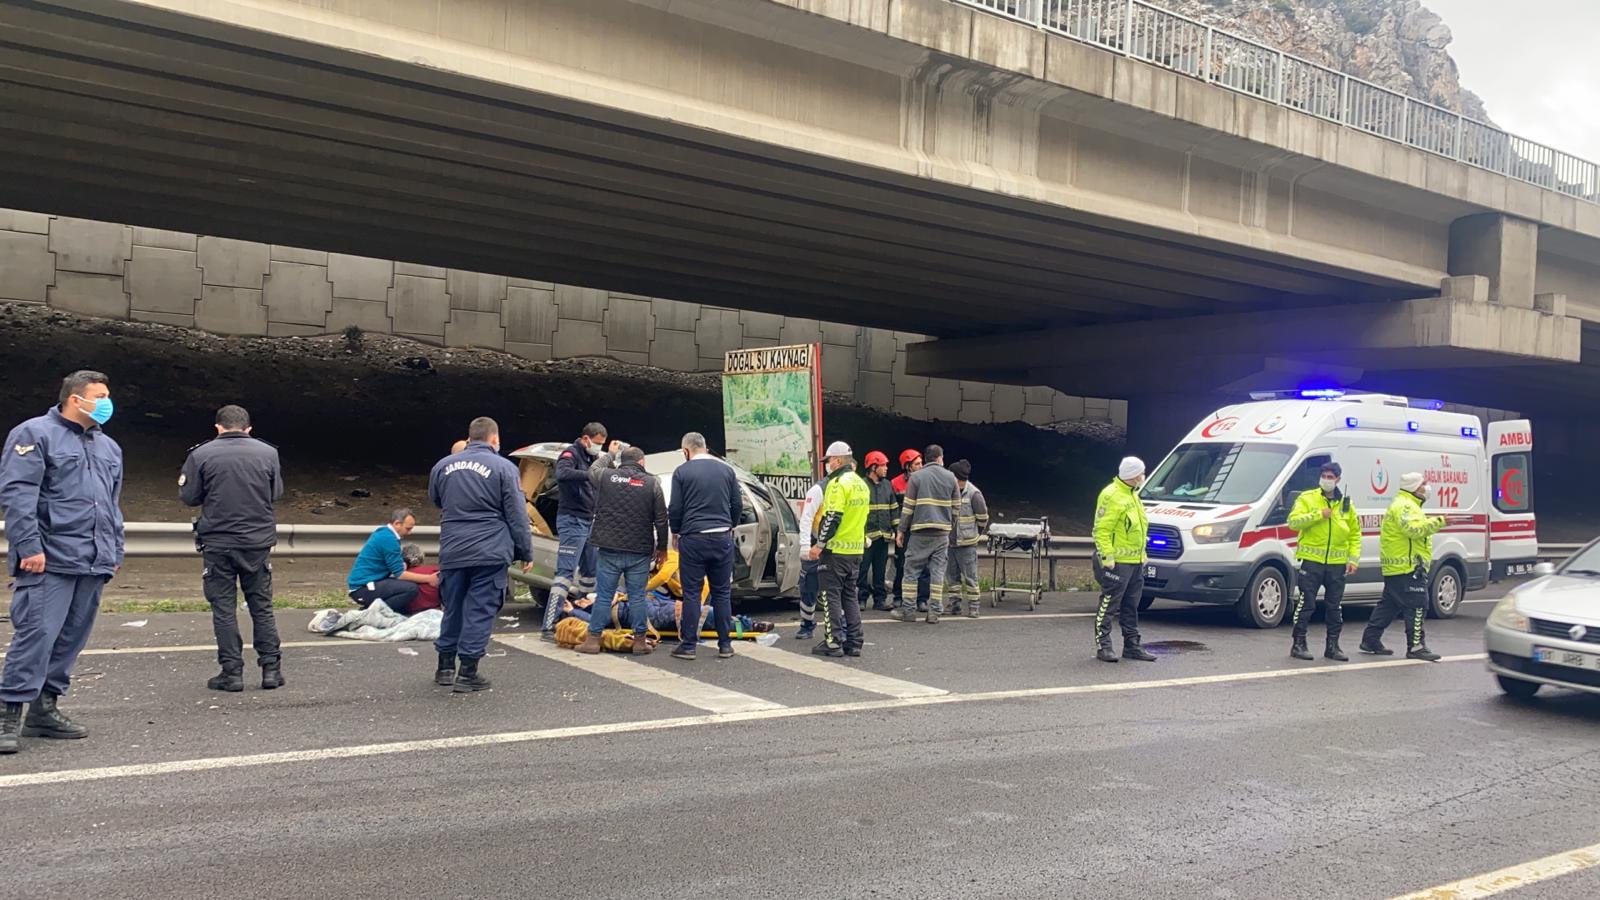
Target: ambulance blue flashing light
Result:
[[1321, 394], [1413, 426], [1469, 432], [1351, 422]]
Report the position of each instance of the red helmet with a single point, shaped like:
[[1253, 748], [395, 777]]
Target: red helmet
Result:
[[907, 457], [876, 458]]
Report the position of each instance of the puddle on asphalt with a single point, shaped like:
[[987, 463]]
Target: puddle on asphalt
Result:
[[1167, 648]]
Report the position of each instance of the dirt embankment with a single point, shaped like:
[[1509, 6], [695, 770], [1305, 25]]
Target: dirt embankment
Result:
[[358, 423]]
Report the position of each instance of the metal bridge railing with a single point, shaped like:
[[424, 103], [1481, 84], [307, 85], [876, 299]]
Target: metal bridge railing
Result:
[[1163, 38]]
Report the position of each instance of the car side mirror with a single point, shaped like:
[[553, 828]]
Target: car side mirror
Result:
[[1543, 569]]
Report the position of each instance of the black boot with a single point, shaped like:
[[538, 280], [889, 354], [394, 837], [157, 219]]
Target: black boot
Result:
[[1106, 654], [468, 679], [445, 676], [44, 720], [1299, 651], [272, 676], [226, 680], [1135, 651], [10, 727], [1333, 652]]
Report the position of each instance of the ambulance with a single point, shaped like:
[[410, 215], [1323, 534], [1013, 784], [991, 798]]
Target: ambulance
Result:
[[1219, 503]]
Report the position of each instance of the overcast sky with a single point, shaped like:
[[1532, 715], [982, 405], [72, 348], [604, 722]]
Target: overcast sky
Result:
[[1534, 63]]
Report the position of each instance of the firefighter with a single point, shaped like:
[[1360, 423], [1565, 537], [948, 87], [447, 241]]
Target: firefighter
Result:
[[1405, 547], [1329, 545], [1120, 535], [927, 516], [880, 531], [910, 462], [972, 522], [840, 542]]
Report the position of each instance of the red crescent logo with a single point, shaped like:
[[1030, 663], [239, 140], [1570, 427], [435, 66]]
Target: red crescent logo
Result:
[[1513, 486], [1220, 426], [1380, 479], [1272, 425]]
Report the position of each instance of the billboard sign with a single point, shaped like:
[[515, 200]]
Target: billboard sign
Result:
[[772, 415]]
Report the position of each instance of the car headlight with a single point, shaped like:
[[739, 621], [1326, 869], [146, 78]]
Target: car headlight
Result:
[[1218, 532], [1505, 615]]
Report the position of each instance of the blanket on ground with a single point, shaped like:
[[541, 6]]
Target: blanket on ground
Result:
[[378, 623]]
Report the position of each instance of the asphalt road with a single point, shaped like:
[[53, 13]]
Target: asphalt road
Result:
[[988, 759]]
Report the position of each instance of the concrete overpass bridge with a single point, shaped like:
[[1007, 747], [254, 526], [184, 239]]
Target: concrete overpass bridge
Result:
[[1053, 211]]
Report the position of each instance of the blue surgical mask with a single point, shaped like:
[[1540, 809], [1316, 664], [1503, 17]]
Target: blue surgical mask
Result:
[[103, 408]]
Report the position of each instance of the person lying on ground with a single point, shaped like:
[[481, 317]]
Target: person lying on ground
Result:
[[665, 614]]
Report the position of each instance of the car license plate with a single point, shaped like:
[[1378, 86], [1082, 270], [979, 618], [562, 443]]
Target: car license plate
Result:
[[1149, 571], [1570, 658]]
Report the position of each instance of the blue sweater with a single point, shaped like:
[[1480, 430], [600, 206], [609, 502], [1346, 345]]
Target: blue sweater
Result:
[[705, 496], [379, 559]]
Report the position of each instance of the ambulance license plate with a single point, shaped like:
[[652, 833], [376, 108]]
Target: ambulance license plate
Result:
[[1569, 658]]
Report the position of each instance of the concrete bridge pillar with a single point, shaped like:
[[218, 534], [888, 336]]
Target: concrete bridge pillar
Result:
[[1501, 248]]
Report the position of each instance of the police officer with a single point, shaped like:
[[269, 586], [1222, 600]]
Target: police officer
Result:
[[1120, 534], [234, 479], [60, 488], [841, 541], [1329, 546], [575, 556], [1405, 547], [483, 528]]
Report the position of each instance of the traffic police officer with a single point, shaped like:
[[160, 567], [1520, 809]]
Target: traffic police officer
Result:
[[483, 528], [60, 488], [235, 479], [1120, 535], [841, 541], [1405, 546], [1329, 545]]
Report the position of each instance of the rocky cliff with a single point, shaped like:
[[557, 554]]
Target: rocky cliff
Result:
[[1398, 44]]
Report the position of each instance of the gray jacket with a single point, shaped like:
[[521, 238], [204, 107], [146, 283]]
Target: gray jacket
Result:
[[972, 518], [931, 501], [234, 479]]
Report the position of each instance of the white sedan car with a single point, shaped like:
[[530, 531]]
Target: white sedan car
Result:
[[1548, 630]]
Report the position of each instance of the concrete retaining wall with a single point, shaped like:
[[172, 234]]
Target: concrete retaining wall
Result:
[[239, 287]]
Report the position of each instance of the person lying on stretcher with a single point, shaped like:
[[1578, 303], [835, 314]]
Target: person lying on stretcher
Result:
[[666, 613]]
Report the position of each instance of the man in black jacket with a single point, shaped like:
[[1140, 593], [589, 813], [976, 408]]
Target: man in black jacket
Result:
[[630, 538], [575, 559], [235, 479], [882, 513], [704, 510]]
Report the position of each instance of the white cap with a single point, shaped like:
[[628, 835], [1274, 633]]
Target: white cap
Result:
[[1410, 481], [838, 448], [1132, 467]]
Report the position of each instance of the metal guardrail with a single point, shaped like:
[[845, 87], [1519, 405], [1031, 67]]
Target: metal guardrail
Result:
[[1163, 38], [172, 540]]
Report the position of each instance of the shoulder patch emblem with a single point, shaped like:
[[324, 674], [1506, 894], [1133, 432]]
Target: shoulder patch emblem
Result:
[[183, 480], [25, 449]]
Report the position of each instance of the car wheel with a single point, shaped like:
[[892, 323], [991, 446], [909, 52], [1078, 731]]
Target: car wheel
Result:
[[1516, 687], [1145, 602], [1264, 601], [1444, 595]]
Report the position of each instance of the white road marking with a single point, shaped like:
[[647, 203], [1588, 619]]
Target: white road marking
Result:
[[1490, 883], [194, 648], [660, 682], [839, 673], [515, 737]]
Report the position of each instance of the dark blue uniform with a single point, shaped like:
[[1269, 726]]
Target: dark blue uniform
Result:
[[483, 528], [61, 489]]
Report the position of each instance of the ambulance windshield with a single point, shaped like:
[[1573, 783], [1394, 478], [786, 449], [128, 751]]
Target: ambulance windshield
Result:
[[1215, 472]]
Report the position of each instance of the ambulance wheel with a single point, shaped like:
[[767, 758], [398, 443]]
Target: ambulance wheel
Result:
[[1444, 594], [1146, 601], [1264, 601]]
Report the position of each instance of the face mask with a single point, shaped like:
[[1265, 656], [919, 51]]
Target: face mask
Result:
[[1328, 484], [101, 410], [594, 449]]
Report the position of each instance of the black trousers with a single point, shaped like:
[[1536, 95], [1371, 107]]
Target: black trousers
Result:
[[924, 584], [837, 602], [1404, 597], [226, 573], [1329, 579], [1120, 590], [874, 566]]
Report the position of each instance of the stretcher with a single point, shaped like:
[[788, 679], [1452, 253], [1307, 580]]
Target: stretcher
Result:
[[1017, 552]]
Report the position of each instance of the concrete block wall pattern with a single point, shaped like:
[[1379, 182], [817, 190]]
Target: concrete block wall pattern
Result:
[[237, 287]]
